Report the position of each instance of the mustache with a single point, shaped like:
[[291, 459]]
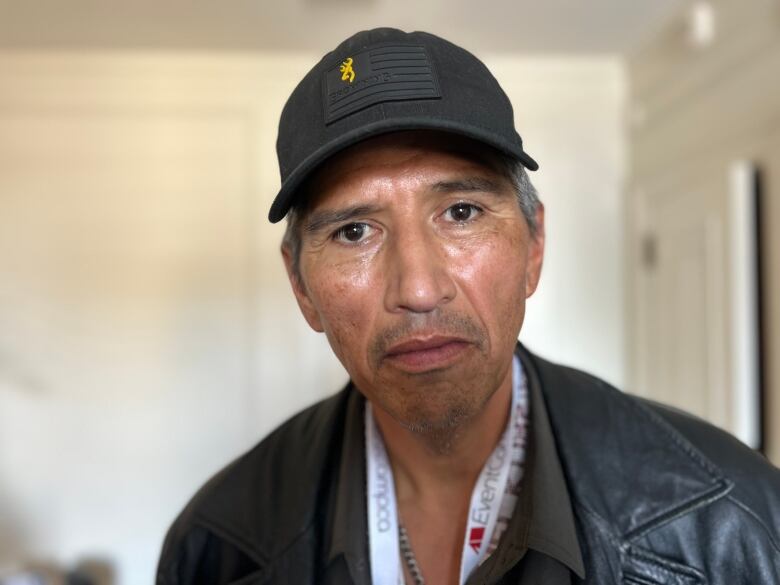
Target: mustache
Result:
[[436, 322]]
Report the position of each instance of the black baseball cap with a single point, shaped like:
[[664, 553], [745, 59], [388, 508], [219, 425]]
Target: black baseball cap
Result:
[[386, 80]]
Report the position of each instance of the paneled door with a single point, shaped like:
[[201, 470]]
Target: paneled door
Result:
[[682, 294]]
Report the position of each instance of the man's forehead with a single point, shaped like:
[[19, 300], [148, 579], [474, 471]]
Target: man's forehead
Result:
[[432, 141], [389, 155]]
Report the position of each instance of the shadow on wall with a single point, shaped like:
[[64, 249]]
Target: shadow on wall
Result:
[[86, 572], [17, 568], [13, 537]]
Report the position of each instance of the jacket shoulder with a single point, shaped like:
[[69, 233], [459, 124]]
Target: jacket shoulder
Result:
[[756, 482], [258, 504], [633, 437]]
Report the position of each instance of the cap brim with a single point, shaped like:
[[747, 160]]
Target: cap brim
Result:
[[286, 196]]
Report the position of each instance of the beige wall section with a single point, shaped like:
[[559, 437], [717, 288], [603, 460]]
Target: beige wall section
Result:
[[570, 113], [770, 156], [147, 335], [694, 111]]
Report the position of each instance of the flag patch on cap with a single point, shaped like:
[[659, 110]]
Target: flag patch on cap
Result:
[[380, 74]]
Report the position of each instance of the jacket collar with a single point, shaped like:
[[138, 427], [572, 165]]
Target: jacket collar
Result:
[[350, 525], [608, 441], [272, 496]]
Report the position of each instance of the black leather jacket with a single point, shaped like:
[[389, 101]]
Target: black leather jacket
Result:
[[659, 497]]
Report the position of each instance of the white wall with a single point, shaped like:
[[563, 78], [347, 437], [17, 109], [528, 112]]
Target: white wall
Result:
[[147, 335], [570, 113], [698, 109]]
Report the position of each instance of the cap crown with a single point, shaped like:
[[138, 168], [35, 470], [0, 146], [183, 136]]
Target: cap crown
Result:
[[386, 80]]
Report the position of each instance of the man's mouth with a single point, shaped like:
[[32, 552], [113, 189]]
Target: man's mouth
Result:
[[426, 353]]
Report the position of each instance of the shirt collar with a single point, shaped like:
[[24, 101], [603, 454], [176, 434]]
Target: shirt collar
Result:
[[543, 520], [552, 529]]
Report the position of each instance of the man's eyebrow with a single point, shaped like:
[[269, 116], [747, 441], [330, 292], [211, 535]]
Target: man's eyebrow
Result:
[[319, 220], [468, 184]]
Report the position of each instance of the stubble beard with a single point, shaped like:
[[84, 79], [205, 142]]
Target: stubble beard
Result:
[[440, 432], [439, 405]]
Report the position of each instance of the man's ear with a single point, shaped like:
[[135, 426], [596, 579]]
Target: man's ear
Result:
[[535, 253], [310, 313]]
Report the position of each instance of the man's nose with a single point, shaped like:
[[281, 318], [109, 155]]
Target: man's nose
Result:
[[418, 277]]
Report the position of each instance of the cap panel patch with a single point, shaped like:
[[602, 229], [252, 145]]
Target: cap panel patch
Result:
[[381, 74]]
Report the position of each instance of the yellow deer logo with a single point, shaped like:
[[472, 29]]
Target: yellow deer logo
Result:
[[347, 73]]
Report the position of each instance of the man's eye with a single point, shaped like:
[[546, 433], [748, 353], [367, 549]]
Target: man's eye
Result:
[[461, 212], [352, 233]]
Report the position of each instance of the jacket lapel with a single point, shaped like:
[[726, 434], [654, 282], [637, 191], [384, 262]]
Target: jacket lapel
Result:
[[622, 461]]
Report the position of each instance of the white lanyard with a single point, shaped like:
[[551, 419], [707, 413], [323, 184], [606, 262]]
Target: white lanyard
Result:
[[492, 500], [382, 511]]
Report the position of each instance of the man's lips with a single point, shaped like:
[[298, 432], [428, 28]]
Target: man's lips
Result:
[[428, 353]]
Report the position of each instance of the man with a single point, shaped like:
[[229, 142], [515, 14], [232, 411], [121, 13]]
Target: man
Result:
[[454, 455]]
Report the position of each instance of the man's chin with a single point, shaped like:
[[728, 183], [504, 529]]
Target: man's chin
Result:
[[434, 423], [438, 431]]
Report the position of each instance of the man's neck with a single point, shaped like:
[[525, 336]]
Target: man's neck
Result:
[[422, 470]]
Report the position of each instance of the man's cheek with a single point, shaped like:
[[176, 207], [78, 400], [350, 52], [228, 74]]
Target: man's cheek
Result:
[[344, 313], [470, 264]]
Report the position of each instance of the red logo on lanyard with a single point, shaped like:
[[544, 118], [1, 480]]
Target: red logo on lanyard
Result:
[[475, 537]]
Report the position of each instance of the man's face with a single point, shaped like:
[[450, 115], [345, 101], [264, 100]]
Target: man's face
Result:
[[416, 262]]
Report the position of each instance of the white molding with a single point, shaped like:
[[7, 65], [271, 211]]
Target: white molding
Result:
[[744, 304]]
